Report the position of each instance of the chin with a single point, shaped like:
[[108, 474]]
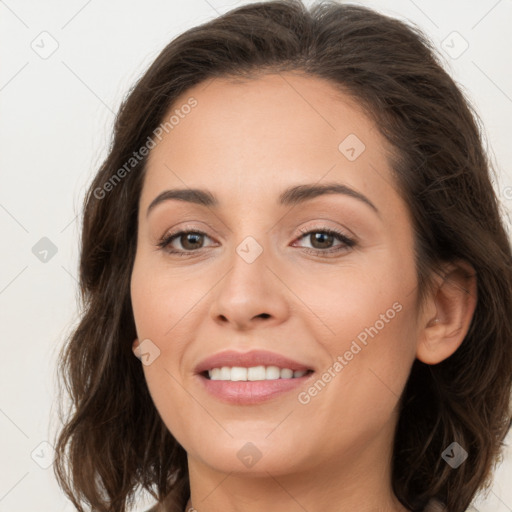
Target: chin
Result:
[[250, 455]]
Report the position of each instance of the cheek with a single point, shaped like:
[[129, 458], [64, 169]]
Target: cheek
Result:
[[169, 396], [162, 298], [159, 309], [351, 298], [359, 391], [368, 329]]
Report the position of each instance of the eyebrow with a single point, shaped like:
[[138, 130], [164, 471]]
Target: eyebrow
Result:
[[290, 197]]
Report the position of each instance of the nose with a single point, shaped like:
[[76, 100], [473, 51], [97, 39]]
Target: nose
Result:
[[250, 295]]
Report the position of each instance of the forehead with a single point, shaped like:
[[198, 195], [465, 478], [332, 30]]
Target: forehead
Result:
[[245, 136]]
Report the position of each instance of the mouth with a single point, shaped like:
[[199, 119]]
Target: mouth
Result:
[[244, 392], [246, 378], [259, 365], [253, 373]]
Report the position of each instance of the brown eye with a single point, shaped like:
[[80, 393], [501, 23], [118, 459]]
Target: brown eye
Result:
[[321, 240], [190, 241]]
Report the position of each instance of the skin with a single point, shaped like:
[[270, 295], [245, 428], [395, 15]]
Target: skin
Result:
[[246, 142]]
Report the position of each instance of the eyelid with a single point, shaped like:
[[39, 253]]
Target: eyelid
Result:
[[187, 226], [169, 237], [346, 242]]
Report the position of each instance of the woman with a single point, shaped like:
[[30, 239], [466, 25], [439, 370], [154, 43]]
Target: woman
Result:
[[296, 234]]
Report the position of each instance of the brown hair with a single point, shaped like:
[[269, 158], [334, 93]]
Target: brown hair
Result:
[[114, 441]]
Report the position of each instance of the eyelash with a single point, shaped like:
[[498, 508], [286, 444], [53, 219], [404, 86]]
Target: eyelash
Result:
[[347, 242]]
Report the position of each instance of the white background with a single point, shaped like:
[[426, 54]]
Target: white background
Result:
[[55, 125]]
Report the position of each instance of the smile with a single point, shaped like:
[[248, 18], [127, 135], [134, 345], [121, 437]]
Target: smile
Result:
[[254, 373]]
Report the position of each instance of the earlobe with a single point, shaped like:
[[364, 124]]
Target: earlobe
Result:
[[136, 348], [454, 303]]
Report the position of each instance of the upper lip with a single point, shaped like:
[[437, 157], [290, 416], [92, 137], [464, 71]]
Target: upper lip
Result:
[[248, 359]]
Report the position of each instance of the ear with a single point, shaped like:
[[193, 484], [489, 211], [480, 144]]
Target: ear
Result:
[[136, 348], [448, 314]]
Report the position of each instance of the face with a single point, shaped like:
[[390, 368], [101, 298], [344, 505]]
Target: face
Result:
[[327, 279]]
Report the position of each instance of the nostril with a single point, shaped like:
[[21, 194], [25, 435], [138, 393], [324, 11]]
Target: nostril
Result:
[[264, 315]]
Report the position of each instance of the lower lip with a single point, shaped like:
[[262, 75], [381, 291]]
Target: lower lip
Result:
[[251, 392]]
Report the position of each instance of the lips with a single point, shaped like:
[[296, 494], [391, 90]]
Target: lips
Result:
[[248, 359]]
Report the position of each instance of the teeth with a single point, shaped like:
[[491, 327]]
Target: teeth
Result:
[[237, 373], [256, 373]]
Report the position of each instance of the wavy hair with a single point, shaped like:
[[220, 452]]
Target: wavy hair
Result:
[[113, 442]]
